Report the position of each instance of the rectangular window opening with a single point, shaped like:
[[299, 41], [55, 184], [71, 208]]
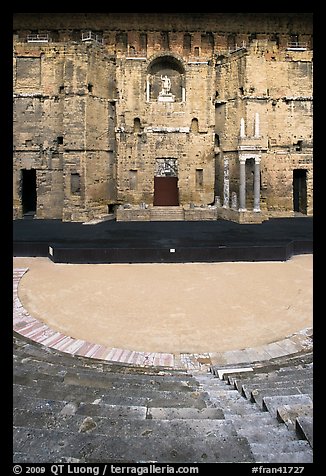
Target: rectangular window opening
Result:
[[133, 179], [199, 178], [75, 183]]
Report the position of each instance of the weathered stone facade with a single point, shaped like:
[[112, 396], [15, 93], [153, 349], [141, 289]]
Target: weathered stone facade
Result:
[[144, 110]]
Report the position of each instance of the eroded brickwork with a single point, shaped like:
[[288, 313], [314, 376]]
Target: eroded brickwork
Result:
[[106, 103]]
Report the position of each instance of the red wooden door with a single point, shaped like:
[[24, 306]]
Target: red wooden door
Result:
[[166, 191]]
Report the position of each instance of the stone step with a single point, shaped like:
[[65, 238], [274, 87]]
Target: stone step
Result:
[[166, 214], [185, 413], [258, 379], [247, 389], [63, 364], [295, 446], [304, 428], [100, 383], [272, 403], [167, 429], [260, 420], [71, 393], [239, 381], [90, 448], [296, 457], [23, 401], [100, 371], [277, 435], [35, 458], [25, 352], [283, 366], [259, 395], [289, 413], [237, 408], [128, 383], [217, 393], [28, 378], [122, 412]]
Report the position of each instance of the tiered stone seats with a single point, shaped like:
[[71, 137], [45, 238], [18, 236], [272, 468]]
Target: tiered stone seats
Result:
[[76, 409], [283, 387]]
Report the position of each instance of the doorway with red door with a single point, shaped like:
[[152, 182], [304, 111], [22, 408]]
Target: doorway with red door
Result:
[[166, 191]]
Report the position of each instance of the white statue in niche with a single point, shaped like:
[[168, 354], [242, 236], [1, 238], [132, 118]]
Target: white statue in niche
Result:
[[166, 84]]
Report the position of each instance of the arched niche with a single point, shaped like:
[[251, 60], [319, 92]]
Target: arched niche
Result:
[[165, 80]]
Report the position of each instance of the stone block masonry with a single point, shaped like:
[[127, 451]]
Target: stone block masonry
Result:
[[101, 101]]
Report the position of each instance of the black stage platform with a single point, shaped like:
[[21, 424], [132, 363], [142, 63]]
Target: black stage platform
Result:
[[170, 242]]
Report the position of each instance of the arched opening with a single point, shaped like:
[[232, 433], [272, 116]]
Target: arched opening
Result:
[[194, 127], [166, 80], [137, 125]]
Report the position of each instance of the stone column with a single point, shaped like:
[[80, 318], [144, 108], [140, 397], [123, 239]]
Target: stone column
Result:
[[147, 90], [226, 183], [242, 128], [257, 185], [242, 185]]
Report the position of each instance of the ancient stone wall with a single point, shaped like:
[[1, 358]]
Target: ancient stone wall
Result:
[[276, 85], [64, 123], [95, 121]]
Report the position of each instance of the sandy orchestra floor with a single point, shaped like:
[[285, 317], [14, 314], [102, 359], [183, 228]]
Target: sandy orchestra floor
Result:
[[191, 307]]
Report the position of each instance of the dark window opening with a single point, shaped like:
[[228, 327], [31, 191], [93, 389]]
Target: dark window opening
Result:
[[275, 37], [29, 197], [199, 178], [61, 89], [217, 140], [294, 38], [207, 40], [231, 41], [241, 90], [75, 183], [60, 140], [196, 50], [143, 42], [90, 87], [252, 37], [298, 146], [187, 43], [121, 40], [300, 191], [165, 40], [137, 125]]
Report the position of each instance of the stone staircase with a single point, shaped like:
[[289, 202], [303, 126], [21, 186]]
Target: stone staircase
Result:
[[167, 214], [282, 388], [80, 410]]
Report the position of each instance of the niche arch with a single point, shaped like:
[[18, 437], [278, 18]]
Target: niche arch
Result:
[[166, 80]]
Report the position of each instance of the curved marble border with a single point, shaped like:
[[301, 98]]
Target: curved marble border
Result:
[[28, 326]]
